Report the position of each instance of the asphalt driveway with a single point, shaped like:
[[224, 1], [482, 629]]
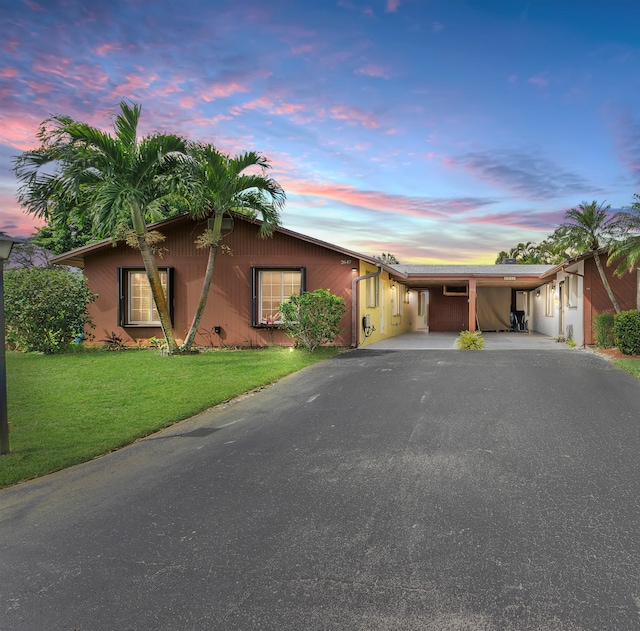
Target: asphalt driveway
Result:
[[407, 490]]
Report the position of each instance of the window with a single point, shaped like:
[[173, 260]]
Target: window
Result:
[[272, 287], [455, 290], [373, 291], [136, 305], [572, 291], [396, 300], [549, 299]]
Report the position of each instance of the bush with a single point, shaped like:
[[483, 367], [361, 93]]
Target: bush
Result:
[[627, 332], [313, 318], [470, 341], [603, 328], [45, 309]]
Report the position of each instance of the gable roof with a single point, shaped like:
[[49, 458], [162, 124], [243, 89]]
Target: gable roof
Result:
[[76, 257]]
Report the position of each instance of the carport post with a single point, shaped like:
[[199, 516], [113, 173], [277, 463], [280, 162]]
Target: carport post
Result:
[[472, 304]]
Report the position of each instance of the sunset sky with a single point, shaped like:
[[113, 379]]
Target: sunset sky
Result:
[[442, 131]]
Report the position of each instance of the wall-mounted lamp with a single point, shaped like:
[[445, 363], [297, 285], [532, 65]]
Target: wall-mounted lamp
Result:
[[354, 269], [537, 293]]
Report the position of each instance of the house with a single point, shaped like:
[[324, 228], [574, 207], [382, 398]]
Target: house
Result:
[[253, 276], [573, 294], [257, 275]]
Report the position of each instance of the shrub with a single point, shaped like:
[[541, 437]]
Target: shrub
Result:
[[45, 309], [627, 331], [313, 318], [470, 341], [603, 328]]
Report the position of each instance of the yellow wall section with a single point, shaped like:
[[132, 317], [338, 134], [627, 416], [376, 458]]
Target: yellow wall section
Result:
[[381, 317]]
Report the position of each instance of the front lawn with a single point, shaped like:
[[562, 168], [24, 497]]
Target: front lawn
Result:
[[67, 409], [630, 364]]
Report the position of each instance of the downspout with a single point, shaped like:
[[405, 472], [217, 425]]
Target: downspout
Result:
[[354, 304]]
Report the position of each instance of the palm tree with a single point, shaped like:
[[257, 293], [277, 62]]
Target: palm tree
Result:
[[627, 248], [221, 187], [589, 228], [117, 181]]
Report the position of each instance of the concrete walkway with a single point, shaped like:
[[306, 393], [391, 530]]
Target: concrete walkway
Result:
[[423, 340]]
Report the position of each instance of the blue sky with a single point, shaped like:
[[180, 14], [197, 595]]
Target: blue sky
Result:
[[438, 130]]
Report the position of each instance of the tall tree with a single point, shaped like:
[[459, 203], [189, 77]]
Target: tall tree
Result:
[[545, 253], [590, 228], [626, 249], [388, 258], [222, 185], [117, 180]]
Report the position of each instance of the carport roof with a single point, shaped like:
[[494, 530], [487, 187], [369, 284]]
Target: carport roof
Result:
[[517, 276], [473, 270]]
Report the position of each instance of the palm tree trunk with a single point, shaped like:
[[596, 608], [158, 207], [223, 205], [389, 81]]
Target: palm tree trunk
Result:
[[206, 283], [151, 267], [605, 282]]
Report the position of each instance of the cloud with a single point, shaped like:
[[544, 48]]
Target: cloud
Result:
[[539, 81], [392, 6], [529, 175], [353, 115], [413, 206], [222, 90], [374, 70]]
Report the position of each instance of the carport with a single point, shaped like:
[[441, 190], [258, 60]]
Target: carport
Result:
[[467, 297]]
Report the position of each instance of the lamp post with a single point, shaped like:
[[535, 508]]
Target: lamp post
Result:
[[6, 243]]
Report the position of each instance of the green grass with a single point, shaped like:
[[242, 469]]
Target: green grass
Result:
[[630, 364], [67, 409]]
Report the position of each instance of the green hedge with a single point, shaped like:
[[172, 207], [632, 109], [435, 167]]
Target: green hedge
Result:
[[603, 329], [627, 332], [45, 308]]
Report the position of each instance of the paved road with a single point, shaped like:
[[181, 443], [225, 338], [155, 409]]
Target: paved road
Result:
[[433, 490]]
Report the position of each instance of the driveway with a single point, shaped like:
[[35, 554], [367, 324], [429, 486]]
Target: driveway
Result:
[[378, 490]]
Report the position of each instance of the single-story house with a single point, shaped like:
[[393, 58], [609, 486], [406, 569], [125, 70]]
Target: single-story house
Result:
[[253, 276]]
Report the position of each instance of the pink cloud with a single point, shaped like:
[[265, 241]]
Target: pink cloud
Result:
[[6, 72], [222, 90], [53, 65], [374, 70], [103, 49], [187, 102], [539, 81], [392, 6], [14, 221], [302, 49], [353, 116], [134, 83], [34, 6], [379, 201], [40, 87]]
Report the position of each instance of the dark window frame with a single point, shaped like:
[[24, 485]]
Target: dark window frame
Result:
[[123, 298], [255, 274]]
